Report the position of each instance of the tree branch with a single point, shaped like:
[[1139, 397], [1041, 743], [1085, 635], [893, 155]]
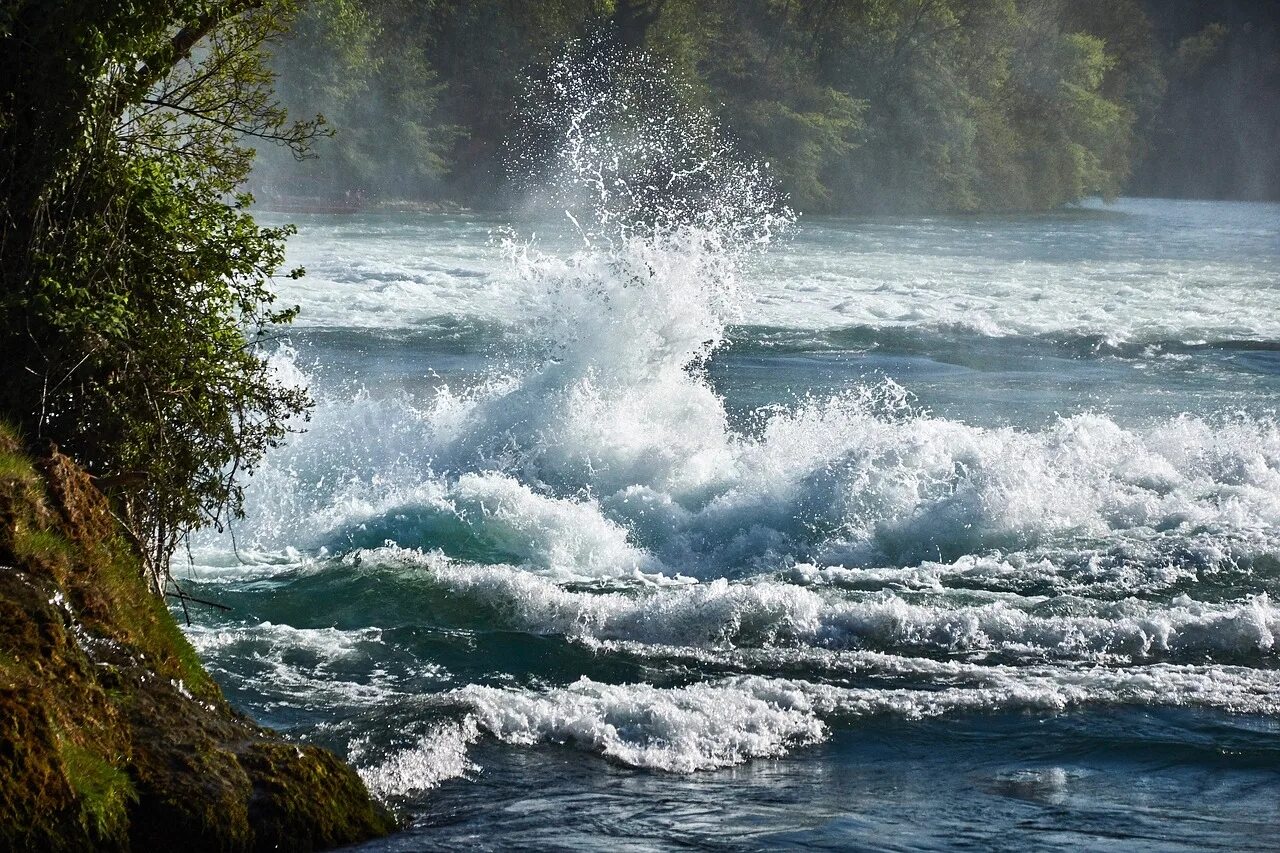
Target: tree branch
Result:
[[154, 68]]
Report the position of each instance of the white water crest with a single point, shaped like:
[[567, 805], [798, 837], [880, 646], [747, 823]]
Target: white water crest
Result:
[[580, 472], [613, 455], [765, 613], [835, 557], [1109, 275], [438, 756], [733, 720]]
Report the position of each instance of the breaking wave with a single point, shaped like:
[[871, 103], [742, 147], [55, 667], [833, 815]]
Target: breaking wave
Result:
[[833, 558]]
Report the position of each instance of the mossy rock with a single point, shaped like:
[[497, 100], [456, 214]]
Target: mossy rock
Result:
[[63, 747], [112, 735], [282, 810]]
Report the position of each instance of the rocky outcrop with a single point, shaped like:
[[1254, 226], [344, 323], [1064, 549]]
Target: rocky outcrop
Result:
[[112, 735]]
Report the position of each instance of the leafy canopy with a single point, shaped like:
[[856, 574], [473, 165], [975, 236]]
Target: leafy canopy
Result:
[[136, 296]]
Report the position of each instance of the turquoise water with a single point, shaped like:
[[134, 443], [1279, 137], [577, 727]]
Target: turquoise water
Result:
[[898, 534]]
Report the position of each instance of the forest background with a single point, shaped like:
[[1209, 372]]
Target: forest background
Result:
[[900, 106]]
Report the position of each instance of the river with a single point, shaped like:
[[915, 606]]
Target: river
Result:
[[903, 533]]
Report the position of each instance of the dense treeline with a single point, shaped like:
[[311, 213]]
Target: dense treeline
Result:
[[901, 105], [1217, 134]]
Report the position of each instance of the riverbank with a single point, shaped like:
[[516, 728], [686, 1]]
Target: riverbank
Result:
[[112, 735]]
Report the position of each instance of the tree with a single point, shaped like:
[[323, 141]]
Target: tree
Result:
[[762, 64], [364, 64], [894, 105], [1214, 134], [136, 300]]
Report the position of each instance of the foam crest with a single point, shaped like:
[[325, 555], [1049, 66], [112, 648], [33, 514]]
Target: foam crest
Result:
[[681, 730], [300, 665], [569, 538], [894, 280], [666, 216], [907, 490], [617, 400], [438, 756], [763, 613], [587, 474], [727, 722], [355, 453]]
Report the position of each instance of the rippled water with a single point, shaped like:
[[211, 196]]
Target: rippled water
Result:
[[907, 534]]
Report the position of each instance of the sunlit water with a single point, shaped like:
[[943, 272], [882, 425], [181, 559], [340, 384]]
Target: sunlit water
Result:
[[917, 534]]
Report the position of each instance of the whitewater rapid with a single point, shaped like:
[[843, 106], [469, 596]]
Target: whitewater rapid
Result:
[[833, 559], [687, 487], [1207, 275]]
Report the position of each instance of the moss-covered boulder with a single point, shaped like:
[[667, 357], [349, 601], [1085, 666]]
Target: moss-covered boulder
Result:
[[112, 735]]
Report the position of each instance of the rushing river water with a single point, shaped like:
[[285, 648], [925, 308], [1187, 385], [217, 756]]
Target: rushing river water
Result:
[[918, 534]]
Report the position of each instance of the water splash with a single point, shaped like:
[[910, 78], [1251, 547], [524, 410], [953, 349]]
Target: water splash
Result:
[[845, 556], [613, 456], [614, 141]]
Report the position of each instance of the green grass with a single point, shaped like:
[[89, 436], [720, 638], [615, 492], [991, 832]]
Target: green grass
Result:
[[14, 466], [39, 545], [104, 790], [142, 620]]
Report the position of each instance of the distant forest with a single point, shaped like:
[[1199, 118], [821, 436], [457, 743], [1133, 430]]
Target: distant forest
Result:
[[858, 105]]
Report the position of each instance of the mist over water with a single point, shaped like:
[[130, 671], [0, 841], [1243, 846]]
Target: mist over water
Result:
[[660, 480]]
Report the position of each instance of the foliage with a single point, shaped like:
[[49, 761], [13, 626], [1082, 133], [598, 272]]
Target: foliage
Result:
[[365, 64], [856, 104], [1216, 131], [136, 295]]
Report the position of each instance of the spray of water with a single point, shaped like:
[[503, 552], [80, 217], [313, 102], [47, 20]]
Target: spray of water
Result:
[[616, 144], [847, 535], [614, 455], [665, 217]]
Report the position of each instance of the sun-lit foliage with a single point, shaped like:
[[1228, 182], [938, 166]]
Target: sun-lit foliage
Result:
[[136, 288], [899, 105]]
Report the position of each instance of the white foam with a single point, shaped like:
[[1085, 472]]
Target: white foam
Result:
[[721, 613], [407, 272], [438, 756], [676, 729], [298, 667], [727, 722], [330, 644], [588, 475]]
